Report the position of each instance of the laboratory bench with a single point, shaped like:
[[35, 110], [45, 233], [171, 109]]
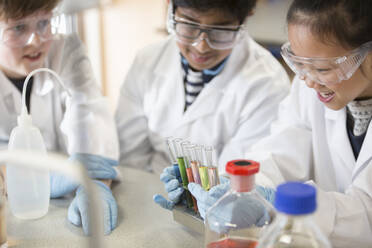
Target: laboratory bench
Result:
[[141, 223]]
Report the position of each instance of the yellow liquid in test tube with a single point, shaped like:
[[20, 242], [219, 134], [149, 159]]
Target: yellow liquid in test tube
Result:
[[203, 172]]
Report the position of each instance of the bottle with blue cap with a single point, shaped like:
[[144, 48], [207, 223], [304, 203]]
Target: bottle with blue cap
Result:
[[294, 227], [239, 217]]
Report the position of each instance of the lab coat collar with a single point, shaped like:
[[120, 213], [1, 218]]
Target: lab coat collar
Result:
[[334, 114], [171, 56], [7, 88], [338, 137], [365, 152], [9, 94]]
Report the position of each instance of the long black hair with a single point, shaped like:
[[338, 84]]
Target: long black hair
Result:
[[236, 8], [347, 21]]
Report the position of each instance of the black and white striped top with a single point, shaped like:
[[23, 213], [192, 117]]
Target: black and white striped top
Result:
[[195, 81]]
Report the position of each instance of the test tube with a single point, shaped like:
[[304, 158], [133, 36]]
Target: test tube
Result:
[[187, 157], [212, 166], [172, 157], [203, 169], [194, 164], [181, 165], [180, 160]]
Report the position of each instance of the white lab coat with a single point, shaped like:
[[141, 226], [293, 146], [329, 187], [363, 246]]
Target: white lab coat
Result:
[[80, 123], [233, 111], [309, 143]]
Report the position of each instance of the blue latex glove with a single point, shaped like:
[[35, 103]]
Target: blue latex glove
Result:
[[97, 167], [78, 210], [244, 213], [172, 180], [206, 199]]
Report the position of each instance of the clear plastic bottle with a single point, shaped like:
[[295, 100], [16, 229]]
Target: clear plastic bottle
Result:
[[294, 226], [228, 222], [28, 189]]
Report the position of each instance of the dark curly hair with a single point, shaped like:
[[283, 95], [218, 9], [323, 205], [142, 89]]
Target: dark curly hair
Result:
[[17, 9], [237, 8], [348, 22]]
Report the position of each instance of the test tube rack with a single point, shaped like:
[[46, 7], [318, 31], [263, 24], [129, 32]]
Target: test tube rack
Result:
[[188, 218]]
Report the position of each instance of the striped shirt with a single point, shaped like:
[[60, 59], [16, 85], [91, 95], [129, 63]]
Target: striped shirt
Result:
[[195, 81]]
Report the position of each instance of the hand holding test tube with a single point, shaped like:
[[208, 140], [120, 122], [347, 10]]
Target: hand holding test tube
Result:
[[171, 177], [191, 163]]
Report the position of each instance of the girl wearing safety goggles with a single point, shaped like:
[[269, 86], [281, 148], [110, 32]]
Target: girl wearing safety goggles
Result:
[[31, 36], [323, 135]]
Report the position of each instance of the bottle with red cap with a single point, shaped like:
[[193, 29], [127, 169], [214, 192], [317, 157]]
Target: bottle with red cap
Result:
[[239, 217]]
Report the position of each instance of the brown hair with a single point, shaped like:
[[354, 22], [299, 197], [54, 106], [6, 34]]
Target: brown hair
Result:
[[17, 9]]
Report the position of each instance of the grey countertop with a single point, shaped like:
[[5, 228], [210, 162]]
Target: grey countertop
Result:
[[141, 223]]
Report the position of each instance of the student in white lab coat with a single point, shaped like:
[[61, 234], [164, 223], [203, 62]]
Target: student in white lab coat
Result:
[[208, 82], [324, 135], [79, 126]]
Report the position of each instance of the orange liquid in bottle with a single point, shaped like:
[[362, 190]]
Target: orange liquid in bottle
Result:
[[233, 243]]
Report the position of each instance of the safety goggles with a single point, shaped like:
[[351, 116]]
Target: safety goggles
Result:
[[21, 33], [326, 70], [217, 37]]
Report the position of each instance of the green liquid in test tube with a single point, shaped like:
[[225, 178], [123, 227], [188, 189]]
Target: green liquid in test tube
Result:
[[181, 165]]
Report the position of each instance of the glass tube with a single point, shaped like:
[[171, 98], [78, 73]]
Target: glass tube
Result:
[[172, 157], [203, 169], [187, 157], [171, 152], [194, 164], [180, 160], [212, 167], [182, 167]]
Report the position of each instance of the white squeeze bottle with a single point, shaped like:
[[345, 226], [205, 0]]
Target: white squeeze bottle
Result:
[[28, 188]]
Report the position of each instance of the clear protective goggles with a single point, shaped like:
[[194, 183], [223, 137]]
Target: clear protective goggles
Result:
[[220, 37], [326, 70], [21, 32]]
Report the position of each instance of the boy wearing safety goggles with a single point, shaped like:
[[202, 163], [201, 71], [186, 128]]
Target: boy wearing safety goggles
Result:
[[209, 83], [78, 125], [323, 134]]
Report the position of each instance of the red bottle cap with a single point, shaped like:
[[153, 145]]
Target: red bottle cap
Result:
[[242, 167]]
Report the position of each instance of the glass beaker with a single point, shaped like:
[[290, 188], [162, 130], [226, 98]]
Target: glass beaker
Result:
[[3, 235]]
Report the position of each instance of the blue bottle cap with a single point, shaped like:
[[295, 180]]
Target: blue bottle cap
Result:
[[295, 198]]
